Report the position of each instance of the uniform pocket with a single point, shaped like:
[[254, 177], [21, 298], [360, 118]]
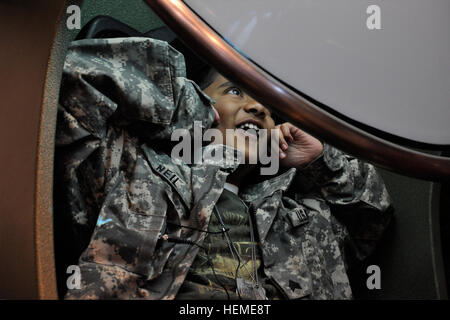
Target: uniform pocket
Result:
[[291, 276]]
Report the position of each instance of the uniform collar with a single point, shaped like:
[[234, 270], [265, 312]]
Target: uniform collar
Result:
[[231, 187], [232, 159], [269, 186], [220, 155]]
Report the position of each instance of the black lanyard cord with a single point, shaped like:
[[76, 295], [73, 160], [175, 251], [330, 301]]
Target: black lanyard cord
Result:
[[200, 230]]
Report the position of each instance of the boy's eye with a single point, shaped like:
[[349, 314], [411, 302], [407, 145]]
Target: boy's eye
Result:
[[234, 91]]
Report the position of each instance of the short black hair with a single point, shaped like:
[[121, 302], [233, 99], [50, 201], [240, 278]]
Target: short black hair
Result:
[[205, 76]]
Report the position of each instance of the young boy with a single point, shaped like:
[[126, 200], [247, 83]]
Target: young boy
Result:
[[150, 226]]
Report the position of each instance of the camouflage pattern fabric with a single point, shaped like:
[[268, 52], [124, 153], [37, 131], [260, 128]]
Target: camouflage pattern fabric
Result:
[[120, 101], [206, 282]]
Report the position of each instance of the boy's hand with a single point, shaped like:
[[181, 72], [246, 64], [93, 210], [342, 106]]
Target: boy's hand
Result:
[[297, 148]]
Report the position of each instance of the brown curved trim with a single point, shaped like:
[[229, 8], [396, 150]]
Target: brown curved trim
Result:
[[45, 258], [311, 118], [44, 235]]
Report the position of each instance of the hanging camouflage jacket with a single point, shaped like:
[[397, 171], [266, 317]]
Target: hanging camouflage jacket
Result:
[[120, 101]]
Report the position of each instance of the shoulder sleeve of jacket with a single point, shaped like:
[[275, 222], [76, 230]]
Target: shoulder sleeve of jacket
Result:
[[137, 82], [356, 193], [110, 87]]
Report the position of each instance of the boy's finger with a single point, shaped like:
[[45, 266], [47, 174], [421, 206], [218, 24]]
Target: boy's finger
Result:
[[286, 130], [281, 145], [276, 148]]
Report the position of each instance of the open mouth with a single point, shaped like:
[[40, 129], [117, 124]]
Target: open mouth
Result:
[[249, 127]]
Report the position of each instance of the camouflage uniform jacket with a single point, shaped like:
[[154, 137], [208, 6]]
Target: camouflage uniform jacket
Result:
[[120, 101]]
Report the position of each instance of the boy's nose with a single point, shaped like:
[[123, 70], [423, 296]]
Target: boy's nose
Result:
[[254, 107]]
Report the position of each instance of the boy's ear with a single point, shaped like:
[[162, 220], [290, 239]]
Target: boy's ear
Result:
[[216, 113]]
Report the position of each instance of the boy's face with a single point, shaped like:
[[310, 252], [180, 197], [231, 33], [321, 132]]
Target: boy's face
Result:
[[237, 110]]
